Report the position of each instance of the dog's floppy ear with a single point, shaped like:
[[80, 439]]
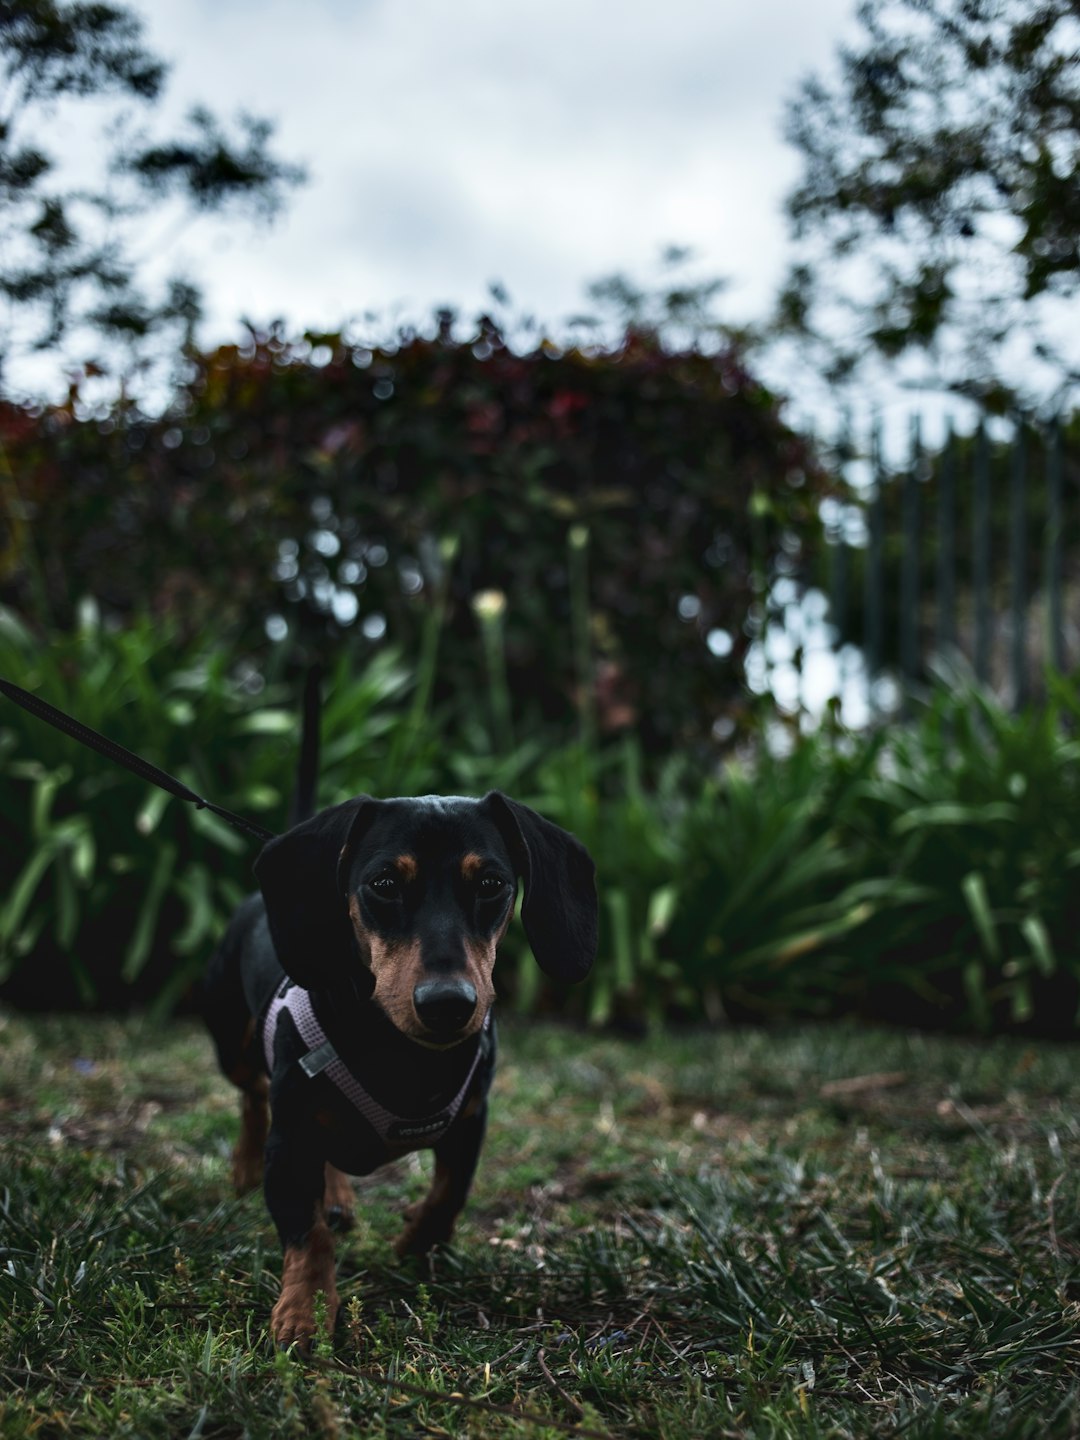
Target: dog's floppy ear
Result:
[[300, 875], [559, 912]]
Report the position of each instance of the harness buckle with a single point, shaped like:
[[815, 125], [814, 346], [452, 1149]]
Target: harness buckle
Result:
[[316, 1061]]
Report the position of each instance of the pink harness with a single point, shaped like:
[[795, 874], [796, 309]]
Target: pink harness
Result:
[[322, 1058]]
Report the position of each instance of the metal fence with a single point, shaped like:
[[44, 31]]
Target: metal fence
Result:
[[970, 548]]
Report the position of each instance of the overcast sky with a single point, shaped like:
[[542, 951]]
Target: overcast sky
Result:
[[539, 143]]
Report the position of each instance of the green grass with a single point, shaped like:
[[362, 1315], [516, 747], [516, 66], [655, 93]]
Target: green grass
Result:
[[691, 1236]]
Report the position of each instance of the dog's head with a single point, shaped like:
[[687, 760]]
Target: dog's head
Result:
[[417, 894]]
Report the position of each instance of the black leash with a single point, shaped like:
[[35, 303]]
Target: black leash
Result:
[[112, 751]]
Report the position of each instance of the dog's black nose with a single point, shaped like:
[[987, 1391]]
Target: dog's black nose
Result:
[[445, 1005]]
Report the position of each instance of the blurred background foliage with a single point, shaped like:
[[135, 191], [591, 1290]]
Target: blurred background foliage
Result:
[[320, 488], [514, 570], [925, 874]]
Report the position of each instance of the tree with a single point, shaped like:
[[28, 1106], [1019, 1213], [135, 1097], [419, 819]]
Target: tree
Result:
[[678, 309], [938, 214], [66, 247]]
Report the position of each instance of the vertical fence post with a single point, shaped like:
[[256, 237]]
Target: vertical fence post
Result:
[[838, 579], [1018, 564], [981, 554], [1055, 638], [945, 626], [909, 564], [873, 577]]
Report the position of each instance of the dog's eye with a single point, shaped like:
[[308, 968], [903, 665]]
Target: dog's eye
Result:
[[490, 887], [387, 887]]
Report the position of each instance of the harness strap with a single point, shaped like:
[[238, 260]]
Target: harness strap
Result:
[[322, 1058]]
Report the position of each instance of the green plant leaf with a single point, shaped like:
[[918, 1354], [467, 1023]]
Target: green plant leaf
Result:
[[662, 905], [788, 948], [195, 886], [153, 808], [67, 905], [978, 902], [975, 990], [953, 814], [44, 795], [217, 830], [600, 1000], [22, 892], [1038, 939], [268, 722], [1021, 1004], [83, 856], [621, 942], [138, 950]]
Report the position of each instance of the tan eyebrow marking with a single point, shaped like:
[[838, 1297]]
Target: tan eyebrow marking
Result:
[[470, 865], [406, 866]]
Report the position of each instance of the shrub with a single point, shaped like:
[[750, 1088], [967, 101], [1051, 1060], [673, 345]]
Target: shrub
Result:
[[973, 816], [925, 875], [769, 892], [352, 492]]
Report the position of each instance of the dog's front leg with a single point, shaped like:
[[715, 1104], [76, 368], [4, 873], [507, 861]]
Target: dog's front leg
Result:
[[294, 1182], [431, 1221]]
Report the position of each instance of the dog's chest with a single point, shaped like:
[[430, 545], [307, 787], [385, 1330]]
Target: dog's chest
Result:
[[352, 1144]]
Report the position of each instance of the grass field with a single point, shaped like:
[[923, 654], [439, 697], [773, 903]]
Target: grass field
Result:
[[819, 1232]]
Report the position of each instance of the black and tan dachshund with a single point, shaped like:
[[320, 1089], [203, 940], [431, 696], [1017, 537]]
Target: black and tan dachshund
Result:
[[354, 994]]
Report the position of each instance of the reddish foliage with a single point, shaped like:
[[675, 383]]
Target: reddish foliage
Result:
[[277, 480]]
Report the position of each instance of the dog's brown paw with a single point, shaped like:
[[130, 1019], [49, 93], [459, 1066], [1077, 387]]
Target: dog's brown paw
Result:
[[294, 1320], [424, 1229], [308, 1292]]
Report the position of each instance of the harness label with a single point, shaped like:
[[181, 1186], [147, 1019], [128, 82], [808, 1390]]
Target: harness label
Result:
[[415, 1129]]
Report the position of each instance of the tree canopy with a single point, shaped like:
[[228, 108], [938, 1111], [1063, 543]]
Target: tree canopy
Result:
[[938, 212], [66, 254]]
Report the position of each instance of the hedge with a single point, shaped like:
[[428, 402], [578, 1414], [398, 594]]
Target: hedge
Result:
[[325, 489]]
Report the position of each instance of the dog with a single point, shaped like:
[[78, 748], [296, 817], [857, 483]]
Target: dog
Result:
[[351, 1002]]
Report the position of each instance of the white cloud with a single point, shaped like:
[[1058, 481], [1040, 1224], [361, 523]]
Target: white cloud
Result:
[[541, 143]]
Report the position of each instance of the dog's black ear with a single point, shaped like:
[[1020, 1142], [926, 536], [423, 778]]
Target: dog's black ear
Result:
[[559, 911], [301, 875]]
